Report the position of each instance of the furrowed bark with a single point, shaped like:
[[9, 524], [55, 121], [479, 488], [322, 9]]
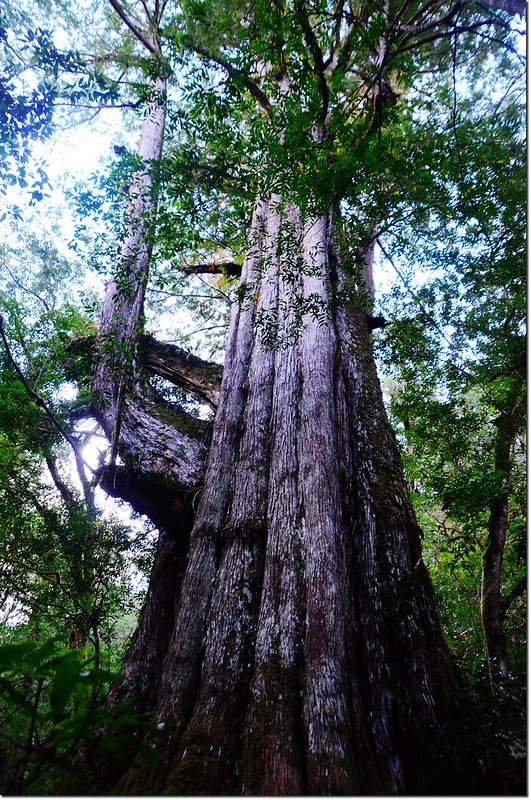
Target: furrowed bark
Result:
[[141, 668], [117, 339], [165, 359], [163, 448], [160, 443], [183, 369], [306, 655], [171, 509]]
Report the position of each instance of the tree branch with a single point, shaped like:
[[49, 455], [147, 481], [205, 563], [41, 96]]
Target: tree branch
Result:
[[448, 17], [450, 32], [235, 72], [183, 369], [167, 360], [316, 53], [168, 507], [518, 589], [222, 268], [160, 439], [37, 399], [68, 497], [132, 27]]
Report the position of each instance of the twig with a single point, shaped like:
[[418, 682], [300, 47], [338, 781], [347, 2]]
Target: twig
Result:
[[25, 288], [202, 330], [431, 320]]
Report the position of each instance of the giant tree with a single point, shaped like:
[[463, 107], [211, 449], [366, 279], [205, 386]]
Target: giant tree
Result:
[[289, 636]]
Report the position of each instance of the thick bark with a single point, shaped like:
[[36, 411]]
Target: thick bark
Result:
[[306, 656], [162, 446], [491, 600], [367, 274], [183, 369], [168, 505], [165, 359], [141, 669], [171, 509]]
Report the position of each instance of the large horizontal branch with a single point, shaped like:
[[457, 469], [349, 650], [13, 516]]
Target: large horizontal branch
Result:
[[183, 369], [158, 437], [202, 378], [167, 505], [229, 268]]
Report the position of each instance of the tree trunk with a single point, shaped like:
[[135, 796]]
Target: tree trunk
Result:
[[491, 601], [164, 448], [121, 318], [306, 655], [141, 669]]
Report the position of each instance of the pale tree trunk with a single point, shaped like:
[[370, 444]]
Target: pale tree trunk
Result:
[[123, 307], [306, 655], [163, 447], [367, 276]]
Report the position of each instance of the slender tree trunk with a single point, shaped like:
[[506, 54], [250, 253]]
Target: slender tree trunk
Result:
[[306, 655], [118, 335], [491, 601], [163, 447], [367, 275]]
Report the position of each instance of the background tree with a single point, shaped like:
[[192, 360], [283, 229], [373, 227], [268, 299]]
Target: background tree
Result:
[[462, 399]]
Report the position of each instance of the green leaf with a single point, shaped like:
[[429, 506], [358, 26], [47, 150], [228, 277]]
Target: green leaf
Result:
[[63, 685], [7, 687], [13, 655]]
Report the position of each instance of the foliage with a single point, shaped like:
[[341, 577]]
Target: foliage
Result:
[[51, 705], [67, 570], [485, 741], [456, 351]]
